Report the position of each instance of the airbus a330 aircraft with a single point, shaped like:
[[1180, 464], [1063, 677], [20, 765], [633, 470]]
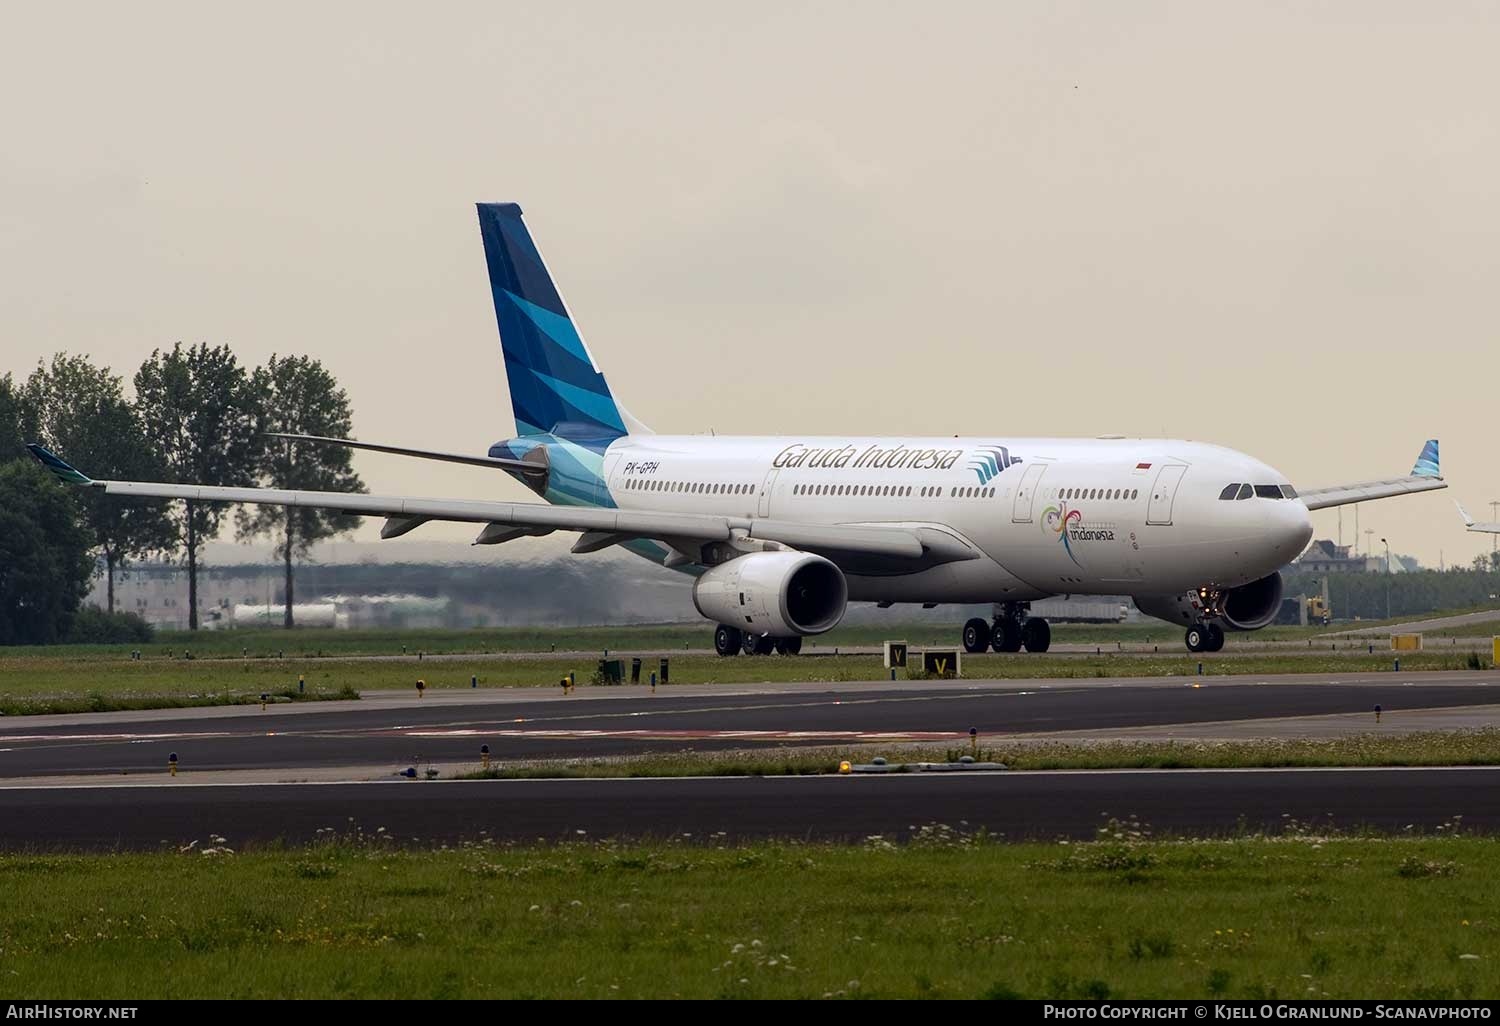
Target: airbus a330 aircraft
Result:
[[781, 533], [1487, 527]]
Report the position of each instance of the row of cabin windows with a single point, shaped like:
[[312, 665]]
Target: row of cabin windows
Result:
[[929, 492], [1244, 491], [822, 489], [1098, 493], [652, 484]]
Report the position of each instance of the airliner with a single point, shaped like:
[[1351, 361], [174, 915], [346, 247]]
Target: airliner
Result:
[[780, 534], [1478, 527]]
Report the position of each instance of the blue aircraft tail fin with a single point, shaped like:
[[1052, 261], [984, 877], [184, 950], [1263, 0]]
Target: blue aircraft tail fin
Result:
[[555, 386], [1427, 462]]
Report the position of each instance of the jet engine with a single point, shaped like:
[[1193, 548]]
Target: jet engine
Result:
[[1246, 608], [778, 593]]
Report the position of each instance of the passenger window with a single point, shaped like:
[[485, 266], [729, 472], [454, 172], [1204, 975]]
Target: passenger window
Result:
[[1245, 492], [1134, 493], [1268, 491], [1229, 492]]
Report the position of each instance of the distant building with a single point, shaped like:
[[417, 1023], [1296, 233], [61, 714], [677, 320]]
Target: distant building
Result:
[[1324, 557]]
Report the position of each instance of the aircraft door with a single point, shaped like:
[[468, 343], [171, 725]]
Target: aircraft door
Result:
[[607, 482], [1163, 493], [764, 509], [1031, 482]]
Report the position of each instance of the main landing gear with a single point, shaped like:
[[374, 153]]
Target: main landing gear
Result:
[[1012, 630], [731, 641], [1204, 637]]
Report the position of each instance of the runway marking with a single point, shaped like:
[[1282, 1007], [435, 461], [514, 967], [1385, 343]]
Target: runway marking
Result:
[[170, 736], [697, 735]]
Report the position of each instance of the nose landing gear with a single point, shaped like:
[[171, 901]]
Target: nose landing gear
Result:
[[1204, 637]]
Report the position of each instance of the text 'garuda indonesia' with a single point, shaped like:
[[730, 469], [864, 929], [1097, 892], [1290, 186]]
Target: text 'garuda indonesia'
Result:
[[896, 457]]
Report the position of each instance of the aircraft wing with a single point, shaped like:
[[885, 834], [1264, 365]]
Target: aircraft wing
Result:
[[1425, 476], [518, 466], [507, 520], [1478, 527]]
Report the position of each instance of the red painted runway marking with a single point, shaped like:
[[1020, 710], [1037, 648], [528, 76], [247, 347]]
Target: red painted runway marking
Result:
[[698, 735]]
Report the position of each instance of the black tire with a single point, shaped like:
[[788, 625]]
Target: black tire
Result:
[[1005, 636], [1036, 635], [1195, 638], [1215, 640], [976, 635], [789, 646], [727, 640], [759, 644]]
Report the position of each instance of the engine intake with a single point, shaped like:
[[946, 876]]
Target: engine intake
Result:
[[1251, 606], [1246, 608], [778, 593]]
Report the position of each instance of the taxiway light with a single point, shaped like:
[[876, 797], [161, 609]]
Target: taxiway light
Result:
[[844, 766]]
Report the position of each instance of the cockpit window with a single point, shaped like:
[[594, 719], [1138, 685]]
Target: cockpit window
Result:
[[1268, 491], [1245, 492], [1289, 491], [1229, 491]]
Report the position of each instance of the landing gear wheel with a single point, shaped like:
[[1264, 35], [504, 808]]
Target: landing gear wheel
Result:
[[976, 635], [1196, 638], [789, 646], [1036, 635], [1006, 636], [759, 644], [727, 640], [1215, 640]]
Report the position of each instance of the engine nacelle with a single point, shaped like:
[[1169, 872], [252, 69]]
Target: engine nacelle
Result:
[[777, 593], [1246, 608]]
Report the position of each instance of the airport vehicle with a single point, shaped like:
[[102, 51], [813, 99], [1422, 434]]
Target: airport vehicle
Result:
[[781, 533]]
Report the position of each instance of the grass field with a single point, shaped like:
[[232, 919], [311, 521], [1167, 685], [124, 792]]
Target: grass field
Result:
[[30, 684], [53, 685], [273, 643], [947, 915], [1479, 747]]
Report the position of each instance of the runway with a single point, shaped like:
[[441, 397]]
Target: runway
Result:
[[394, 732], [1014, 806], [99, 780]]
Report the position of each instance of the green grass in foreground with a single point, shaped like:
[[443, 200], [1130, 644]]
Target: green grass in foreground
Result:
[[1430, 748], [31, 683], [945, 916]]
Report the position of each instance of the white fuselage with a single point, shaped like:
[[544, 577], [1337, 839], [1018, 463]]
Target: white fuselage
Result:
[[1050, 516]]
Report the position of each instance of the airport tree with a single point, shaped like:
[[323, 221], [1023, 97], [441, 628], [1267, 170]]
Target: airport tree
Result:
[[82, 414], [200, 411], [10, 420], [45, 564], [298, 395]]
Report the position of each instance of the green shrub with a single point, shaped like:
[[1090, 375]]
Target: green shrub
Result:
[[93, 626]]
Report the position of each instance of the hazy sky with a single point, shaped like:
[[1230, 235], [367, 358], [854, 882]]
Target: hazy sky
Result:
[[1273, 226]]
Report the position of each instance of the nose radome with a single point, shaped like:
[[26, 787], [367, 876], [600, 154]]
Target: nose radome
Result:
[[1293, 528]]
